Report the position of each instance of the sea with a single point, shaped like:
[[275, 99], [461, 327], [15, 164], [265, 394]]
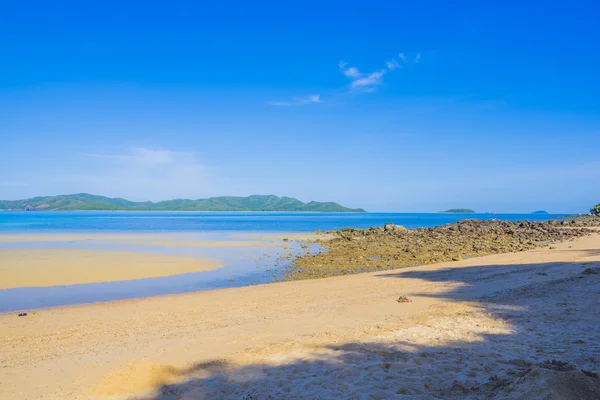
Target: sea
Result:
[[131, 221], [243, 265]]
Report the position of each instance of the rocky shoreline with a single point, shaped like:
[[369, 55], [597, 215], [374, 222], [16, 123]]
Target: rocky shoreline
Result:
[[351, 251]]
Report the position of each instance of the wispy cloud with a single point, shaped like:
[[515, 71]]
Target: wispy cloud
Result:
[[351, 72], [297, 101], [392, 65], [404, 58], [143, 157], [365, 80], [140, 172], [374, 78], [359, 81]]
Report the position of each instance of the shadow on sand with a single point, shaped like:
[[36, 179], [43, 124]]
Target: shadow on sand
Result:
[[513, 322]]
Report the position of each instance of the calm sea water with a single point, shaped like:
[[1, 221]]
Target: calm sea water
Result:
[[65, 221], [243, 265]]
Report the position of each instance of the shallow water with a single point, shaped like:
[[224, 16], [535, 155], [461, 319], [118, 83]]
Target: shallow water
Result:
[[244, 264]]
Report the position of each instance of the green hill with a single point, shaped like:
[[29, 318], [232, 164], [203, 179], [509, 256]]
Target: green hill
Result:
[[84, 201], [540, 212], [458, 211]]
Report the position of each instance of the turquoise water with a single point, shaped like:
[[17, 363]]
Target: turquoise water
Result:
[[130, 221], [243, 265]]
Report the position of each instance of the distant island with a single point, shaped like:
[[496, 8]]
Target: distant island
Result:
[[458, 211], [540, 212], [90, 202]]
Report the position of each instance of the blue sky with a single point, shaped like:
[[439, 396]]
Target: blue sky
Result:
[[389, 106]]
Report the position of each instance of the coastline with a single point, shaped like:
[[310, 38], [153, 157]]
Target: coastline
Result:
[[44, 270], [231, 342], [352, 250], [129, 265]]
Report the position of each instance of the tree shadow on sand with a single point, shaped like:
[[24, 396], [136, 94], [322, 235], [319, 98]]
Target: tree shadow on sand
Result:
[[501, 344]]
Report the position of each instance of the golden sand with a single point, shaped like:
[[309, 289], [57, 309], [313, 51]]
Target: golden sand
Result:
[[471, 322], [193, 243], [78, 237], [146, 239], [50, 267]]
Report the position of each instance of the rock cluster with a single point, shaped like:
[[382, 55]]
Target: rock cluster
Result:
[[392, 246]]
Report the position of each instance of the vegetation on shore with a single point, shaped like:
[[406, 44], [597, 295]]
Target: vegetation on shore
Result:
[[458, 211], [352, 251], [84, 201], [596, 209]]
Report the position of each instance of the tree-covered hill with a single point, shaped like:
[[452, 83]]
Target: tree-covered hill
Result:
[[84, 201], [458, 211]]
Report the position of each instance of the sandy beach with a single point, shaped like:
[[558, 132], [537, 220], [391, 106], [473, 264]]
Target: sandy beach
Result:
[[478, 328], [299, 201], [50, 267], [52, 259]]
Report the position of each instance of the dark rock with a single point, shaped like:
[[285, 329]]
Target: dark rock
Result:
[[591, 271], [456, 241], [590, 374]]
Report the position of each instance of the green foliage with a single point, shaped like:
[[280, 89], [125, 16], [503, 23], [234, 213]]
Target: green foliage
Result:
[[84, 201], [459, 211], [596, 209]]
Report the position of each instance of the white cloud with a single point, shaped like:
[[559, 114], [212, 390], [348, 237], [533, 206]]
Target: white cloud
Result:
[[365, 81], [368, 81], [359, 81], [372, 79], [297, 101], [392, 65], [351, 72]]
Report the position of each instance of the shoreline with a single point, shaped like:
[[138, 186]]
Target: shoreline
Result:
[[352, 250], [208, 343], [40, 271], [348, 251]]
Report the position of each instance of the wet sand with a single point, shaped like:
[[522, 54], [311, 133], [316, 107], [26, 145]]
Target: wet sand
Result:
[[146, 239], [477, 329], [85, 236], [26, 267]]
